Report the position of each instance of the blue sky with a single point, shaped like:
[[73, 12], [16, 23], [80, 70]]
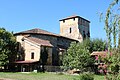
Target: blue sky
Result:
[[20, 15]]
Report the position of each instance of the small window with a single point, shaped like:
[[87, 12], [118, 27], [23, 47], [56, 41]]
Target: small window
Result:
[[73, 19], [22, 39], [70, 30], [88, 34], [84, 35], [32, 55], [63, 21]]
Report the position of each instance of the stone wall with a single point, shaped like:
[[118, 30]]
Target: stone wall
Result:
[[69, 28], [76, 28]]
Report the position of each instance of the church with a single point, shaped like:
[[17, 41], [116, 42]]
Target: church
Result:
[[36, 45]]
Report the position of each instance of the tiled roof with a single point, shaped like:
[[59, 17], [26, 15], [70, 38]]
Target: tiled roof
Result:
[[73, 16], [39, 41], [99, 53], [36, 31], [40, 31]]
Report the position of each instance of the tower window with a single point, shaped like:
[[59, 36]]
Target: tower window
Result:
[[88, 34], [22, 39], [84, 35], [73, 19], [70, 30], [32, 55], [63, 21]]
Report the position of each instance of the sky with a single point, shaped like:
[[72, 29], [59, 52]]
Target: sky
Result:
[[21, 15]]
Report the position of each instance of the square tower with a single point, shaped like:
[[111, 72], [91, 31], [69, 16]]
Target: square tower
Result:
[[75, 27]]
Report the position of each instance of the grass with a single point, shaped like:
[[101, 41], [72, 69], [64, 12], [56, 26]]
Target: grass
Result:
[[41, 76]]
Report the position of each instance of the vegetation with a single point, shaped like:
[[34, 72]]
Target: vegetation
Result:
[[43, 76], [86, 76], [112, 27], [112, 24], [78, 54], [44, 57], [98, 45], [8, 47], [76, 57]]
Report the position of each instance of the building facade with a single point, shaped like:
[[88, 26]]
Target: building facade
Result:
[[38, 46], [75, 27]]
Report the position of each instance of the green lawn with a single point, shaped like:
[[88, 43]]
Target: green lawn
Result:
[[41, 76]]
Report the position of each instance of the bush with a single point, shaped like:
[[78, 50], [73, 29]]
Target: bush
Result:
[[113, 76], [86, 76]]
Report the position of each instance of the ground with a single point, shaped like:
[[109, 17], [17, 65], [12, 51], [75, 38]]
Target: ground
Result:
[[41, 76]]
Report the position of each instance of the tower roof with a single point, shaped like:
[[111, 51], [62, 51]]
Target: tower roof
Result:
[[74, 16]]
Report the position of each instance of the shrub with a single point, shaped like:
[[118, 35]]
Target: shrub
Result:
[[86, 76], [113, 76]]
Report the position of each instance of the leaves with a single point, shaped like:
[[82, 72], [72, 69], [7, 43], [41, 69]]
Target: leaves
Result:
[[7, 46], [78, 54]]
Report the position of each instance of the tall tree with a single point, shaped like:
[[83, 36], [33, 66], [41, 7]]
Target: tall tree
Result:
[[98, 45], [44, 56], [8, 47], [119, 35], [112, 24], [111, 21], [78, 54]]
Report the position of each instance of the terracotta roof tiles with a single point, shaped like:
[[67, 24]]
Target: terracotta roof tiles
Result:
[[73, 16], [36, 31], [39, 41], [43, 32]]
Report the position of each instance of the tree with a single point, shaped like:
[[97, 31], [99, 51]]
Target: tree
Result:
[[8, 47], [44, 57], [99, 45], [78, 54], [112, 23], [112, 27]]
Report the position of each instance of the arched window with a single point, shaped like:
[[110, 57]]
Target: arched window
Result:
[[70, 30]]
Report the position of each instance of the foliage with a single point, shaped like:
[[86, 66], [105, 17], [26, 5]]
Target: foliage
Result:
[[112, 24], [8, 47], [44, 55], [86, 76], [98, 45], [78, 54], [113, 62], [113, 77], [112, 27]]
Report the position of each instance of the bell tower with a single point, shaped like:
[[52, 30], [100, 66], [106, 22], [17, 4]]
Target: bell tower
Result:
[[75, 27]]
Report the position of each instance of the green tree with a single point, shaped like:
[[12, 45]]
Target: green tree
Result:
[[77, 56], [8, 47], [95, 44], [112, 27], [44, 57], [112, 20], [98, 45]]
